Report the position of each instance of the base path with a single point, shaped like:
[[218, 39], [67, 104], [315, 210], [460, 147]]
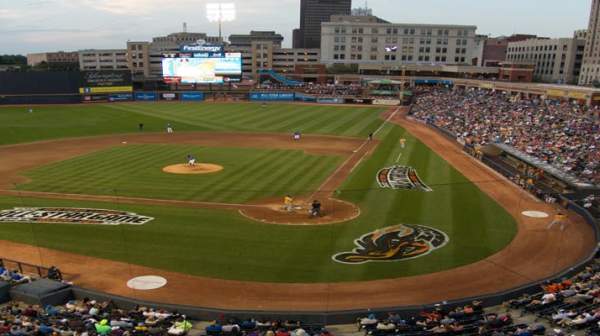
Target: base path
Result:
[[535, 253]]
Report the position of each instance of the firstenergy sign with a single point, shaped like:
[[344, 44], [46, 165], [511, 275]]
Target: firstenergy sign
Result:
[[72, 216]]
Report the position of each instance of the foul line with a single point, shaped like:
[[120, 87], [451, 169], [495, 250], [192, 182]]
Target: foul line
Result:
[[358, 149]]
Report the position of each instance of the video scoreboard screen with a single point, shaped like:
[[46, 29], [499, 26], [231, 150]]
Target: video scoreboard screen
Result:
[[202, 65]]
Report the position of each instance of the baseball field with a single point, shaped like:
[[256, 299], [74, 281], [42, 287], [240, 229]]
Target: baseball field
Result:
[[231, 224]]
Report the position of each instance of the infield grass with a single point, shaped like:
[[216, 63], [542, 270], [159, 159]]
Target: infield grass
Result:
[[136, 170]]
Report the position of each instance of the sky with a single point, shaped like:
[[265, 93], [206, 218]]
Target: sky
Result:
[[51, 25]]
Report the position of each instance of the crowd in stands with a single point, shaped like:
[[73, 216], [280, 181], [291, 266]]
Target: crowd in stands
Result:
[[560, 308], [320, 90], [562, 134], [253, 327], [88, 317], [570, 305], [353, 90], [466, 320]]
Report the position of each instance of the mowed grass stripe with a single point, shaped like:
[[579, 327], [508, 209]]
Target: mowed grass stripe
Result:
[[241, 184], [272, 169], [305, 180], [345, 121], [217, 184], [296, 122], [136, 170]]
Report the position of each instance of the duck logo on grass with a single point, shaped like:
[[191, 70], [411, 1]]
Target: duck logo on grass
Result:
[[394, 243], [72, 216], [401, 177]]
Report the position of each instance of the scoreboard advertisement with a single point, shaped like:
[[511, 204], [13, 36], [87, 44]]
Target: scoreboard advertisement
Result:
[[202, 64], [103, 82]]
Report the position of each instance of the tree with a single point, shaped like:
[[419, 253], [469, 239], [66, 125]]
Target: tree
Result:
[[13, 60]]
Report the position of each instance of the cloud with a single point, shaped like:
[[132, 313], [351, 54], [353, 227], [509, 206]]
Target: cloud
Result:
[[129, 7], [9, 14]]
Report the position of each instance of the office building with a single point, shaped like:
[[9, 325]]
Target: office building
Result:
[[556, 60], [245, 40], [494, 50], [53, 58], [103, 59], [368, 40], [312, 14], [590, 70]]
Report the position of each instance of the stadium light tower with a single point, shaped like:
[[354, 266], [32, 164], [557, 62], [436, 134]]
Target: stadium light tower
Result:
[[220, 12]]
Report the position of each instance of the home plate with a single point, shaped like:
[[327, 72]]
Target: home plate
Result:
[[535, 214], [147, 282]]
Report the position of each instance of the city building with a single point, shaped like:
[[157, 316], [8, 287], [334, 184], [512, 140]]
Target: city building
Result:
[[368, 40], [138, 58], [556, 60], [53, 58], [590, 70], [268, 55], [312, 14], [103, 59], [516, 72], [245, 40], [494, 50]]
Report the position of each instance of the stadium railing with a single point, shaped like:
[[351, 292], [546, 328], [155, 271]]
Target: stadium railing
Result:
[[24, 268]]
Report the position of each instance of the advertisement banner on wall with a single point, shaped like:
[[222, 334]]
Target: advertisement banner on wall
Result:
[[330, 100], [145, 96], [94, 98], [120, 97], [387, 102], [192, 96], [168, 96], [105, 81], [274, 96], [358, 101], [305, 98]]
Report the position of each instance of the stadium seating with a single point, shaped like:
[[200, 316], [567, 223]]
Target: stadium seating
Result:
[[564, 135]]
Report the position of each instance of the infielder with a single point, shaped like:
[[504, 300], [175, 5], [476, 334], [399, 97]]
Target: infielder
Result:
[[288, 203], [559, 219], [169, 128]]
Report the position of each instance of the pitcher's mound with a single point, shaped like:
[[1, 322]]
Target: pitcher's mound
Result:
[[199, 168]]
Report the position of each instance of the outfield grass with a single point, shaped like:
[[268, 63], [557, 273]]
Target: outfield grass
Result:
[[52, 122], [136, 170], [223, 244]]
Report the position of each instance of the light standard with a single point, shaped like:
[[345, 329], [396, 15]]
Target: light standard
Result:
[[220, 12]]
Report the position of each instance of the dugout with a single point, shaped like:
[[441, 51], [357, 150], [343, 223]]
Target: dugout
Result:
[[547, 179]]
